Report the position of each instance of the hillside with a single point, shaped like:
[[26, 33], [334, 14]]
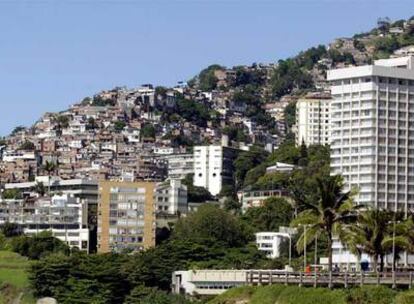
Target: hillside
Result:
[[109, 134]]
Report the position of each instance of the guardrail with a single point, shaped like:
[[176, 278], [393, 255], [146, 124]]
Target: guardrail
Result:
[[330, 279]]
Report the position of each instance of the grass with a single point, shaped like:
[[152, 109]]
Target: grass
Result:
[[14, 278], [234, 295], [280, 294]]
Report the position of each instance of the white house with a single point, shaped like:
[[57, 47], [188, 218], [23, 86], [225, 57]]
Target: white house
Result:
[[269, 242], [280, 168]]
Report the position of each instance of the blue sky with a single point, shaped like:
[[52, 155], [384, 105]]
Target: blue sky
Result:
[[54, 53]]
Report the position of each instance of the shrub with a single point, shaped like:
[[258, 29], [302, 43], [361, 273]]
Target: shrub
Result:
[[296, 295], [405, 298], [371, 295], [267, 294]]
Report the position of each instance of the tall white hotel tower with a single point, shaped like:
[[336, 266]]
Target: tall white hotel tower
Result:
[[372, 143]]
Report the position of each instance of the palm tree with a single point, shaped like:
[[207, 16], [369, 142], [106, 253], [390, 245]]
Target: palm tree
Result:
[[374, 235], [49, 167], [333, 208], [39, 188]]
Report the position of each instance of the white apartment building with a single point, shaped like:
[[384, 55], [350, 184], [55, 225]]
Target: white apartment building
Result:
[[269, 242], [63, 215], [171, 197], [373, 131], [179, 165], [312, 119], [213, 167]]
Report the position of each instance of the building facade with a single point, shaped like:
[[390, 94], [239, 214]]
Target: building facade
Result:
[[126, 216], [269, 242], [373, 131], [171, 197], [213, 167], [256, 198], [62, 215], [179, 165], [207, 282], [313, 119]]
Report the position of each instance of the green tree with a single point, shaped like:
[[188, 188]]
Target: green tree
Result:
[[39, 245], [119, 125], [290, 115], [81, 278], [333, 208], [27, 145], [39, 188], [275, 212], [196, 194], [83, 291], [11, 229], [62, 121], [372, 234], [49, 167], [211, 222], [286, 153], [91, 125], [232, 205], [49, 275], [148, 131], [207, 80], [17, 130], [246, 161], [289, 76], [193, 111], [11, 194], [149, 295]]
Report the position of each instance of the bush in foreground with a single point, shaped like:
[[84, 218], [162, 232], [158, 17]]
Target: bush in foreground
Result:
[[281, 294]]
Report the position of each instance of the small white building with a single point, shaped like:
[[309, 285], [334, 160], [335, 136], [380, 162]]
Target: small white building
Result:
[[206, 282], [280, 168], [269, 242], [171, 197]]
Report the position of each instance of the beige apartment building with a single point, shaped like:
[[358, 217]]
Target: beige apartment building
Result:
[[313, 119], [126, 216]]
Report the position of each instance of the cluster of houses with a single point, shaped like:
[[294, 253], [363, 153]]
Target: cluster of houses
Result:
[[108, 172]]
